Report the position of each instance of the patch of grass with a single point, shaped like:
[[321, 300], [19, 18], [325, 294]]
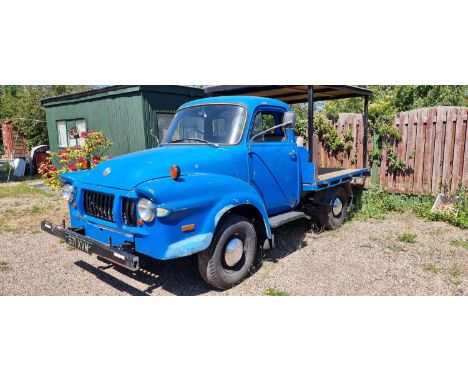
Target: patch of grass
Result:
[[36, 210], [397, 248], [275, 292], [455, 274], [3, 266], [376, 203], [5, 227], [460, 243], [407, 237], [21, 190], [432, 267]]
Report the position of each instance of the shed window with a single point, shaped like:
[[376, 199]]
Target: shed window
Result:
[[65, 128], [62, 134], [164, 121], [81, 127]]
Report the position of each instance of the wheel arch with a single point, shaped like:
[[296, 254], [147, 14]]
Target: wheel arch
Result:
[[252, 213]]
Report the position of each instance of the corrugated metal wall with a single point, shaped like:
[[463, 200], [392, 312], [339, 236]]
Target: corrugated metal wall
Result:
[[163, 101], [119, 117], [125, 118]]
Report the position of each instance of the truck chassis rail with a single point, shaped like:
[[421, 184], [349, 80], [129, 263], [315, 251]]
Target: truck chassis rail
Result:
[[91, 246]]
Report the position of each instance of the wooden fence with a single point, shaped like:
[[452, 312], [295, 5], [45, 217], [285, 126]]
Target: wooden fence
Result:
[[433, 144], [14, 143], [346, 121]]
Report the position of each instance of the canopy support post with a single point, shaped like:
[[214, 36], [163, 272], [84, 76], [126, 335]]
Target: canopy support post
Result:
[[312, 138], [365, 121]]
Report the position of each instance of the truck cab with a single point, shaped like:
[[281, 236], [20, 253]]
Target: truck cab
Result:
[[228, 172]]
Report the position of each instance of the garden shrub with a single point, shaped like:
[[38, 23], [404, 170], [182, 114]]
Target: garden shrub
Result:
[[376, 203], [78, 158]]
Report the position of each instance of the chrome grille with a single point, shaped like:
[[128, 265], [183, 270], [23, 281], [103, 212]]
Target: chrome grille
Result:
[[99, 205], [129, 212]]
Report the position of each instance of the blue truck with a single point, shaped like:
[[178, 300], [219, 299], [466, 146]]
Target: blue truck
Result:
[[226, 175]]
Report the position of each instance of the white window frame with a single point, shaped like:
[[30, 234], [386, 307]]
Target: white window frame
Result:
[[62, 134], [80, 125]]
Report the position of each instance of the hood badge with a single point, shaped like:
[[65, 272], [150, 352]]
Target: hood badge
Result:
[[107, 171]]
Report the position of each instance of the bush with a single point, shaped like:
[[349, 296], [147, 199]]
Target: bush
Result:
[[76, 158], [376, 203]]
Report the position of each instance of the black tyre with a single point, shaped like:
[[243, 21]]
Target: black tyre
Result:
[[231, 254], [333, 215]]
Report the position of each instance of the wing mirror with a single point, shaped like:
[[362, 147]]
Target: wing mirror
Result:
[[290, 117]]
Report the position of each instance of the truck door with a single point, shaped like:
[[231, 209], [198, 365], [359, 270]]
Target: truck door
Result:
[[273, 162]]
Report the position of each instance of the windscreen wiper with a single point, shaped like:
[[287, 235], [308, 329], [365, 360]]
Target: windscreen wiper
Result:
[[196, 140]]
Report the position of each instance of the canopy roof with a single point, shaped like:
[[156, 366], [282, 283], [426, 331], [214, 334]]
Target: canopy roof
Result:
[[290, 93]]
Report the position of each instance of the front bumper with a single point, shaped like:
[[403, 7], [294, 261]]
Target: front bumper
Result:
[[88, 245]]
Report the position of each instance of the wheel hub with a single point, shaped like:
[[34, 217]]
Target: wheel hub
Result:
[[234, 251], [337, 206]]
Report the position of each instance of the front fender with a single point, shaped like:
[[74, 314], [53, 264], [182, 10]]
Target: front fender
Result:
[[202, 200]]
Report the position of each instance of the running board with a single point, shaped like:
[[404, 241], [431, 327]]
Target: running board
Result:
[[279, 220]]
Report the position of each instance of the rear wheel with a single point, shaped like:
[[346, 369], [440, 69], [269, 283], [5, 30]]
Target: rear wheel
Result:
[[231, 254], [334, 214]]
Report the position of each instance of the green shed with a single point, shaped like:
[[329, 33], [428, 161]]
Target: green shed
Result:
[[125, 114]]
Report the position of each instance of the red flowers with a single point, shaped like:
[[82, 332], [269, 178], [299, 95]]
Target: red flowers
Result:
[[43, 169], [90, 154]]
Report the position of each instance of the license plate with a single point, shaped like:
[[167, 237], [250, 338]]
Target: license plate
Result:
[[78, 243]]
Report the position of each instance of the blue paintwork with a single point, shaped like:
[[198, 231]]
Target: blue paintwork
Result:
[[269, 176]]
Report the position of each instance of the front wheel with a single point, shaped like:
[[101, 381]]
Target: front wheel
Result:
[[231, 254]]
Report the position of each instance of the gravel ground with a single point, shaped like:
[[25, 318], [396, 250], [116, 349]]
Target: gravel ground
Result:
[[361, 258]]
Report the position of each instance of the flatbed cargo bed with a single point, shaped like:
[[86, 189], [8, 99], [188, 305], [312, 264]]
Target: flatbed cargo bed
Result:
[[330, 177]]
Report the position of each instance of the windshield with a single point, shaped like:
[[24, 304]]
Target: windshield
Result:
[[207, 124]]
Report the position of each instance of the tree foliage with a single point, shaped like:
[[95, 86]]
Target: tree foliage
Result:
[[22, 105]]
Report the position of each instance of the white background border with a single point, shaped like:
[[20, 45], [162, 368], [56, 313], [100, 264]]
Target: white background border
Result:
[[233, 339]]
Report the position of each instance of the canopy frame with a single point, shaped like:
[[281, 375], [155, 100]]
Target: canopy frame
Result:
[[293, 94]]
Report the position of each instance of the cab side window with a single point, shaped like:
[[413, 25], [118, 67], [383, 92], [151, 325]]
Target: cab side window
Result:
[[265, 120]]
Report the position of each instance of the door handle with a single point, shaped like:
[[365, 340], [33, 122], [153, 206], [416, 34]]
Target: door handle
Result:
[[292, 154]]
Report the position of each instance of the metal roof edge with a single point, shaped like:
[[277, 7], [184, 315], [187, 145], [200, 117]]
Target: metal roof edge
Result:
[[90, 94], [121, 89], [350, 91]]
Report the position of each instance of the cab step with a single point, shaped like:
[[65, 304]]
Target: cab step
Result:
[[279, 220]]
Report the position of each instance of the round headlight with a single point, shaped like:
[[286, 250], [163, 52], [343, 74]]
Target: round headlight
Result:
[[67, 192], [145, 209]]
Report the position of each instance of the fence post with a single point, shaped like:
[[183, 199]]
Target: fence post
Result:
[[375, 165]]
